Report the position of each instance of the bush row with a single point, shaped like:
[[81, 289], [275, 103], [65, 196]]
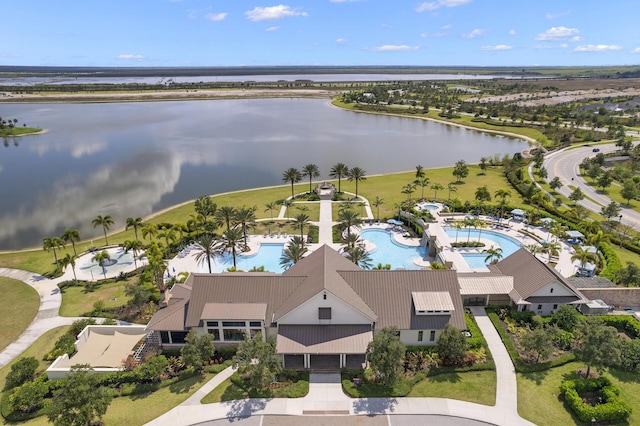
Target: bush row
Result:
[[613, 263], [623, 322], [611, 409]]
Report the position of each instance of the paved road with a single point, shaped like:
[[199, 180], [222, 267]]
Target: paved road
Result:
[[377, 420], [564, 164]]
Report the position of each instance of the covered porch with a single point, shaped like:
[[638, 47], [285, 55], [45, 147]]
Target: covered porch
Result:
[[323, 347]]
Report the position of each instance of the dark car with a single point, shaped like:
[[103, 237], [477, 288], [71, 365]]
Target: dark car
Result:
[[596, 149]]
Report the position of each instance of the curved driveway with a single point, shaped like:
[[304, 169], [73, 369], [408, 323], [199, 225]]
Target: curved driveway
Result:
[[565, 165]]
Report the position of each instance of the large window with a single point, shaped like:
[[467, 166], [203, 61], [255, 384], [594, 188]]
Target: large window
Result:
[[215, 333], [420, 335], [324, 313], [233, 334], [432, 336]]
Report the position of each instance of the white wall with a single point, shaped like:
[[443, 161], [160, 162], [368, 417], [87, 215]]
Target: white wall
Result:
[[558, 290], [410, 337], [341, 312]]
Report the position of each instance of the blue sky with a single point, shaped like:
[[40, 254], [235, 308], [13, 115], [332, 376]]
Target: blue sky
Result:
[[319, 32]]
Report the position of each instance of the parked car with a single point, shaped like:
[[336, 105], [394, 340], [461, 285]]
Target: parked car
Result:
[[596, 149]]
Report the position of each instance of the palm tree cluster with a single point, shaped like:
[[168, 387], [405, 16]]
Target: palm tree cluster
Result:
[[338, 171]]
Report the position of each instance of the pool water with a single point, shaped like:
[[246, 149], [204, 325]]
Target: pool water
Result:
[[424, 206], [388, 251], [268, 256], [476, 260]]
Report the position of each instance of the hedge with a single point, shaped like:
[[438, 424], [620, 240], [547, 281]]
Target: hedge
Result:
[[613, 263], [623, 322], [612, 407]]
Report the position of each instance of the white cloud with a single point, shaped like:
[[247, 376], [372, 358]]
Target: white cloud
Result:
[[555, 33], [216, 16], [434, 35], [557, 15], [552, 46], [596, 48], [343, 1], [512, 32], [577, 38], [341, 40], [497, 47], [394, 48], [447, 27], [473, 34], [636, 50], [272, 12], [130, 57], [433, 5], [271, 29]]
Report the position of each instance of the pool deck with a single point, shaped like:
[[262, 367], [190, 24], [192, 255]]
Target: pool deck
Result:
[[511, 228]]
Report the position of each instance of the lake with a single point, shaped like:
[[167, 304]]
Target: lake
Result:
[[132, 159]]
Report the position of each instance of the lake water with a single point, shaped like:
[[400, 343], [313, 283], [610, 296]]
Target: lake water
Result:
[[131, 159]]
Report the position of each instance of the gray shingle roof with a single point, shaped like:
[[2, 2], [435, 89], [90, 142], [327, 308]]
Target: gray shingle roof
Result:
[[323, 339]]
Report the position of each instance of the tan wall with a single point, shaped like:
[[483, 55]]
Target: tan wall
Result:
[[614, 296]]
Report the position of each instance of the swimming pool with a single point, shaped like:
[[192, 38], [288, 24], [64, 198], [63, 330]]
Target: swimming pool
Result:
[[388, 251], [268, 256], [426, 206], [475, 260], [119, 262]]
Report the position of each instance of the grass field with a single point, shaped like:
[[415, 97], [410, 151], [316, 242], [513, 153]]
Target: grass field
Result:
[[472, 386], [19, 307], [79, 300], [539, 400]]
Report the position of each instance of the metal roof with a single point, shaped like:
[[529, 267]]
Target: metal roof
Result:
[[234, 311], [323, 339], [432, 301], [480, 283]]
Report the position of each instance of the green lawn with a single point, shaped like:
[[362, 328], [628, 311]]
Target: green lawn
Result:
[[229, 390], [19, 307], [78, 300], [472, 386], [539, 401]]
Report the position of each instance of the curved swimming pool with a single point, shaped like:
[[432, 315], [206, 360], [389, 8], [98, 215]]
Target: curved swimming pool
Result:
[[268, 256], [389, 252], [508, 244]]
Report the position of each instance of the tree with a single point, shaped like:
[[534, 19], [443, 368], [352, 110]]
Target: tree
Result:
[[104, 221], [359, 255], [225, 216], [629, 191], [377, 203], [566, 317], [71, 236], [230, 240], [347, 218], [205, 206], [358, 175], [628, 276], [555, 183], [460, 170], [197, 350], [538, 342], [205, 249], [610, 210], [67, 260], [385, 353], [596, 344], [605, 180], [452, 345], [311, 171], [150, 230], [22, 371], [52, 243], [542, 173], [339, 171], [452, 188], [493, 255], [79, 400], [503, 194], [419, 172], [293, 252], [422, 182], [583, 256], [436, 187], [270, 207], [301, 220], [482, 194], [257, 360], [135, 246], [408, 189], [246, 217], [576, 195], [169, 235], [135, 223], [484, 164], [292, 175], [101, 258]]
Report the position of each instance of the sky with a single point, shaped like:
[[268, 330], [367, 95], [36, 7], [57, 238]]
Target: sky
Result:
[[148, 33]]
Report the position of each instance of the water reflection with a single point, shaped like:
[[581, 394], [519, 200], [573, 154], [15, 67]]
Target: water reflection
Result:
[[132, 159]]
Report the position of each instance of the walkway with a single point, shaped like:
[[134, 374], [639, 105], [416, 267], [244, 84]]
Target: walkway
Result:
[[326, 397]]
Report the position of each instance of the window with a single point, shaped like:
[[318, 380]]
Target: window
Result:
[[539, 307], [551, 291], [324, 313], [178, 337], [215, 333], [555, 306], [233, 334], [324, 296], [432, 336], [164, 337], [255, 324], [233, 323], [398, 333], [420, 334], [212, 323]]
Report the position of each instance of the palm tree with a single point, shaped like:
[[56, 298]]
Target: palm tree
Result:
[[493, 255], [408, 189], [287, 204], [377, 203], [457, 226], [195, 223], [206, 248], [596, 239], [452, 188], [480, 225], [135, 246], [436, 187], [293, 252], [292, 175], [67, 260], [469, 222], [351, 240], [338, 171], [230, 240], [552, 248], [348, 218], [419, 172], [534, 248], [71, 236], [503, 194], [311, 171], [358, 175], [225, 215], [52, 243], [359, 256], [169, 235], [246, 217], [151, 230], [181, 228], [270, 207], [105, 222], [134, 223], [422, 182], [301, 221], [101, 258], [583, 257]]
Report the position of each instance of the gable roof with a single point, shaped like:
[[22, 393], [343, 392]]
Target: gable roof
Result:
[[530, 274], [171, 317], [320, 272]]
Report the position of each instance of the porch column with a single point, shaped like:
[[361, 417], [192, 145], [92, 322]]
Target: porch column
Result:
[[307, 360], [282, 358], [343, 360], [487, 302]]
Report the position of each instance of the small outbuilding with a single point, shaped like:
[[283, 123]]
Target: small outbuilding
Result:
[[518, 214]]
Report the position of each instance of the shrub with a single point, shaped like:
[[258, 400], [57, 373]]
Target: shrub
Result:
[[611, 409], [22, 371], [29, 397], [64, 345], [613, 263], [623, 322]]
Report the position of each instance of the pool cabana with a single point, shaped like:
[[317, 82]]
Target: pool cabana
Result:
[[518, 214], [575, 237]]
